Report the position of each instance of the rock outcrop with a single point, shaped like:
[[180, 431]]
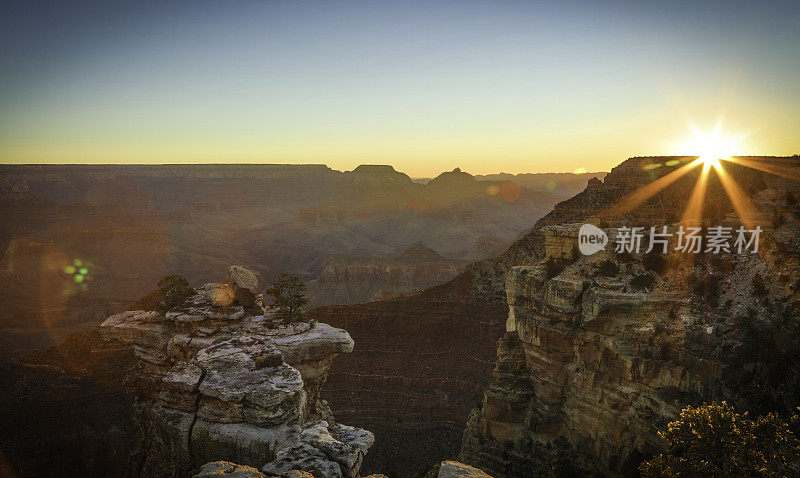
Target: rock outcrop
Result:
[[602, 351], [454, 469], [221, 383]]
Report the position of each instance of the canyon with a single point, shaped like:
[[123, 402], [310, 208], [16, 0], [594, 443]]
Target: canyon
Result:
[[534, 360], [129, 225], [531, 405]]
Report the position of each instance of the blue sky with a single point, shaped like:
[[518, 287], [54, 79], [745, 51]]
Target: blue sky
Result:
[[425, 86]]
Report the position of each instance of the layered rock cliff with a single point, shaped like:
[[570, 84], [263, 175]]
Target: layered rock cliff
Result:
[[215, 378], [419, 366], [398, 334], [65, 412], [601, 351]]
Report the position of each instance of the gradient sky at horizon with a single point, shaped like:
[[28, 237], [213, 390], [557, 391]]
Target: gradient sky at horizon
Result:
[[424, 86]]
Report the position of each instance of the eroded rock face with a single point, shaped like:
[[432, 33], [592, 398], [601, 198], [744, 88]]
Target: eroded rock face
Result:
[[217, 383], [454, 469], [419, 366], [594, 363], [581, 360]]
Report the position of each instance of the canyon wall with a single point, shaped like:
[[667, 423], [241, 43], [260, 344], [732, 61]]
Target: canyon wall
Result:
[[392, 332], [595, 359], [65, 412], [419, 366]]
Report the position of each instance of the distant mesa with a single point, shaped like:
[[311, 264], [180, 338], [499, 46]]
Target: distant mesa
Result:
[[454, 177], [378, 174], [375, 169]]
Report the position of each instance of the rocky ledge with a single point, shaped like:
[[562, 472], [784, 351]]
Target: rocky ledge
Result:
[[218, 379]]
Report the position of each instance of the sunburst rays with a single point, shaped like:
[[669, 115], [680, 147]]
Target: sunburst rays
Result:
[[635, 199], [713, 149]]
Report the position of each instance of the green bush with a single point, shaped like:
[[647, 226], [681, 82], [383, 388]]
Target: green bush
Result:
[[175, 289], [172, 291], [644, 281], [715, 441]]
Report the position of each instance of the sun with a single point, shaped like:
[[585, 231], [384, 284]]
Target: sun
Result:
[[711, 147]]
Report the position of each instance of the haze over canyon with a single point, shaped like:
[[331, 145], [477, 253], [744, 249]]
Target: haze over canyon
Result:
[[464, 322]]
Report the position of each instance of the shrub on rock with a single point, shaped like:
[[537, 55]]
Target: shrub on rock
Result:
[[716, 441], [175, 289]]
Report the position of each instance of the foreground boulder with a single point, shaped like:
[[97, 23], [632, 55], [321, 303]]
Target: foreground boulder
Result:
[[454, 469], [218, 383], [228, 470], [244, 283]]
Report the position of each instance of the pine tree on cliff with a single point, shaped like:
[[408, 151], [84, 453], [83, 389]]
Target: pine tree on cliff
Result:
[[288, 295]]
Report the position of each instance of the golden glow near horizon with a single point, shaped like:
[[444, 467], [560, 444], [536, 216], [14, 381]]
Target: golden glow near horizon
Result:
[[420, 155], [426, 87]]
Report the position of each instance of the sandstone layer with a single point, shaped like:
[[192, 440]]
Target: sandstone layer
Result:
[[398, 334], [198, 383], [595, 359]]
